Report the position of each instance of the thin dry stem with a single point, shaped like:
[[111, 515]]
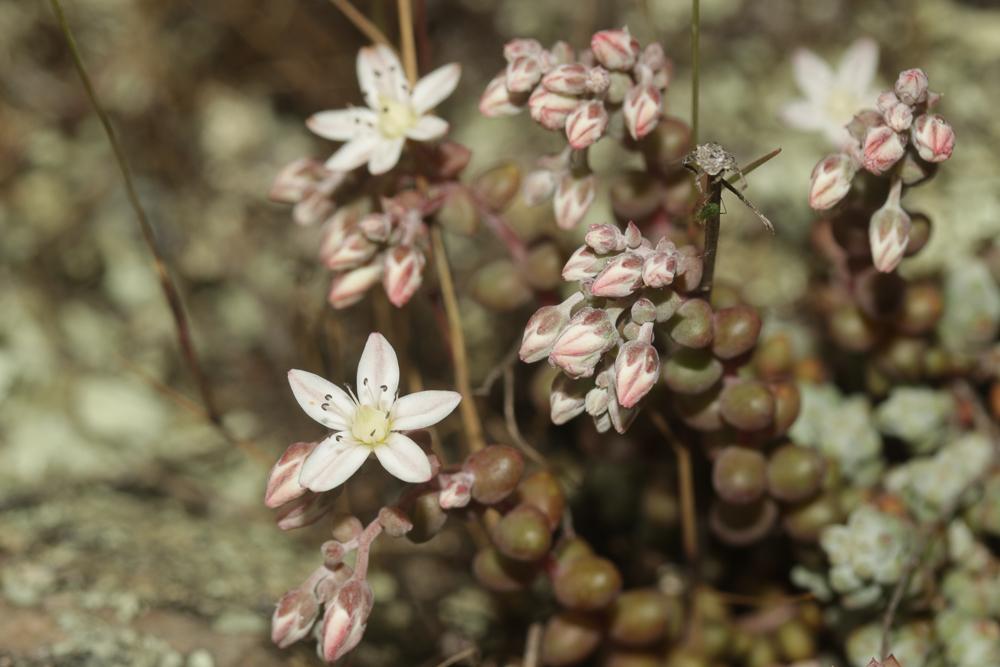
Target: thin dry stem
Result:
[[360, 21], [533, 646], [167, 285], [511, 419], [695, 66], [459, 657], [470, 415], [407, 44], [685, 482]]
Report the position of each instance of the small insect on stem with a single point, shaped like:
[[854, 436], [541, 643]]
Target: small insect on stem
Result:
[[712, 160]]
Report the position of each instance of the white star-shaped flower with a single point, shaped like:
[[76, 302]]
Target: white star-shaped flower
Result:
[[372, 421], [395, 113], [833, 97]]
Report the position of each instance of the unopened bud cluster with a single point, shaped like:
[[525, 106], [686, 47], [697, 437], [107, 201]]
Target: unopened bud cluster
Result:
[[387, 247], [579, 94], [901, 140], [602, 337]]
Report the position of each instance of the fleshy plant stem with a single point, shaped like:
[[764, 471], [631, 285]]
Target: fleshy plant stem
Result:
[[170, 292], [470, 415]]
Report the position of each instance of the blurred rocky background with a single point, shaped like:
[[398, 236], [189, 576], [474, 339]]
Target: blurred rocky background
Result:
[[131, 531]]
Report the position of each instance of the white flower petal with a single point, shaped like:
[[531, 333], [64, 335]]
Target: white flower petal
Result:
[[431, 90], [354, 153], [404, 459], [380, 75], [427, 128], [422, 409], [804, 115], [378, 373], [858, 66], [812, 74], [313, 393], [342, 125], [386, 155], [332, 462]]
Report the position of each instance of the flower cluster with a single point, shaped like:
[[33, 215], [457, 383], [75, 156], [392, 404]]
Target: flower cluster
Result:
[[578, 94], [901, 139], [388, 246], [601, 337], [364, 247]]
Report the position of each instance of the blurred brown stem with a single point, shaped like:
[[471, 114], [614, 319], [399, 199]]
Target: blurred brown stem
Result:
[[407, 46], [685, 483], [470, 415], [360, 21], [170, 292]]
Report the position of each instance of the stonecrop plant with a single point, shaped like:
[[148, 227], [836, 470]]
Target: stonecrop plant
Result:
[[810, 487]]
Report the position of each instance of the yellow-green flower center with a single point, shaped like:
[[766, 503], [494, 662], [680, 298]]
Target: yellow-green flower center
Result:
[[371, 425], [395, 118]]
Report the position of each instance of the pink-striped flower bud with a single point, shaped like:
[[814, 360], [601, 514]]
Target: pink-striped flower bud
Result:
[[911, 86], [523, 73], [539, 186], [345, 620], [296, 180], [589, 334], [886, 101], [562, 53], [550, 110], [899, 117], [596, 401], [621, 277], [615, 49], [642, 110], [617, 416], [889, 231], [456, 489], [404, 272], [544, 327], [375, 227], [305, 510], [633, 236], [583, 264], [598, 81], [604, 238], [653, 57], [349, 288], [831, 180], [353, 252], [573, 198], [567, 79], [521, 47], [394, 521], [933, 138], [496, 101], [586, 124], [659, 269], [283, 482], [566, 399], [293, 617], [882, 149], [637, 367], [862, 122], [335, 231]]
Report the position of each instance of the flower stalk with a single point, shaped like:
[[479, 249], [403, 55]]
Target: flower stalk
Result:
[[470, 415]]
